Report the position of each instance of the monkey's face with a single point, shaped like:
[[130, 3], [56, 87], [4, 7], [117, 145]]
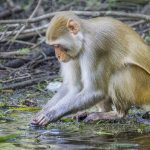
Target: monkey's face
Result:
[[67, 47], [61, 53]]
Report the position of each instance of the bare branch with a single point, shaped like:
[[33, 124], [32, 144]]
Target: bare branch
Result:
[[31, 16], [82, 13], [25, 33]]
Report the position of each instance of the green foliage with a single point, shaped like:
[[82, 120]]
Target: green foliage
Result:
[[17, 108], [25, 4], [104, 133], [23, 51], [2, 114], [7, 137], [147, 38], [67, 120], [2, 28], [112, 3], [116, 3], [93, 3], [25, 108], [129, 1], [141, 128], [66, 1], [58, 79], [0, 86]]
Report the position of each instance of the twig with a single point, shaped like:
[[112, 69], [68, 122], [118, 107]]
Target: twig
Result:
[[36, 45], [146, 30], [24, 42], [38, 33], [2, 67], [8, 12], [28, 82], [27, 31], [66, 6], [25, 77], [3, 35], [12, 57], [82, 13], [137, 23], [31, 16], [34, 64], [36, 9], [13, 53]]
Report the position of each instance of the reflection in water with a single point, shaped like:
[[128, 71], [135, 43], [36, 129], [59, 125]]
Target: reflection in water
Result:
[[66, 138]]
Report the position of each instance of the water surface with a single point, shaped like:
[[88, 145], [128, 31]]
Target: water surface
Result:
[[67, 136]]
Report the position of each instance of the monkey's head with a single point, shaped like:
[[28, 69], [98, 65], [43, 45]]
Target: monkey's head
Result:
[[64, 33]]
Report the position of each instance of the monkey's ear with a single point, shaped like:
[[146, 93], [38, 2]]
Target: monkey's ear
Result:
[[73, 26]]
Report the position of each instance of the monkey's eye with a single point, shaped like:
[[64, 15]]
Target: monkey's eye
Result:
[[61, 47], [65, 49], [56, 46]]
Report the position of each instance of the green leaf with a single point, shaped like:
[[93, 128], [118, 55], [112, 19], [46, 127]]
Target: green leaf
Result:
[[7, 137]]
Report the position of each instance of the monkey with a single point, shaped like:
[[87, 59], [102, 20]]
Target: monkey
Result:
[[103, 62]]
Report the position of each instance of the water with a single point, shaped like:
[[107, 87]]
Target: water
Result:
[[66, 137]]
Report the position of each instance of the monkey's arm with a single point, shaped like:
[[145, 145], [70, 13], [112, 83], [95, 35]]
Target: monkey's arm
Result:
[[58, 96], [54, 100], [71, 103]]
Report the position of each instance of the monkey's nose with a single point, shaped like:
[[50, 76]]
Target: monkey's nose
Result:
[[58, 57]]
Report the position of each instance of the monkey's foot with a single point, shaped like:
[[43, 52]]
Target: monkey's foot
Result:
[[80, 116], [43, 118], [146, 115], [95, 116]]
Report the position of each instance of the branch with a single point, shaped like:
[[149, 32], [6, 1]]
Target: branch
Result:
[[27, 82], [25, 33], [82, 13], [8, 12], [31, 16]]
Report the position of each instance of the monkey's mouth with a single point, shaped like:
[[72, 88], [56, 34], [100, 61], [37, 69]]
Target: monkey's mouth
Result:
[[62, 55], [63, 60]]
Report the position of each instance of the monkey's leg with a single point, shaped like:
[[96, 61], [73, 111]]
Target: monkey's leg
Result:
[[106, 114], [95, 116], [146, 115], [121, 90], [103, 106]]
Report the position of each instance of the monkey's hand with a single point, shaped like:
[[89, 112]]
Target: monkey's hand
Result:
[[44, 117]]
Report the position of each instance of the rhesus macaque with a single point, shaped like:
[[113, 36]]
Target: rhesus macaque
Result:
[[103, 61]]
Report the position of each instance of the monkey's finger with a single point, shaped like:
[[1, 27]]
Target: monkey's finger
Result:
[[39, 118], [35, 119], [44, 121], [41, 121]]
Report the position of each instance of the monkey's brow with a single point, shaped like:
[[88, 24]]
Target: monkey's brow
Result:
[[54, 44], [58, 45]]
